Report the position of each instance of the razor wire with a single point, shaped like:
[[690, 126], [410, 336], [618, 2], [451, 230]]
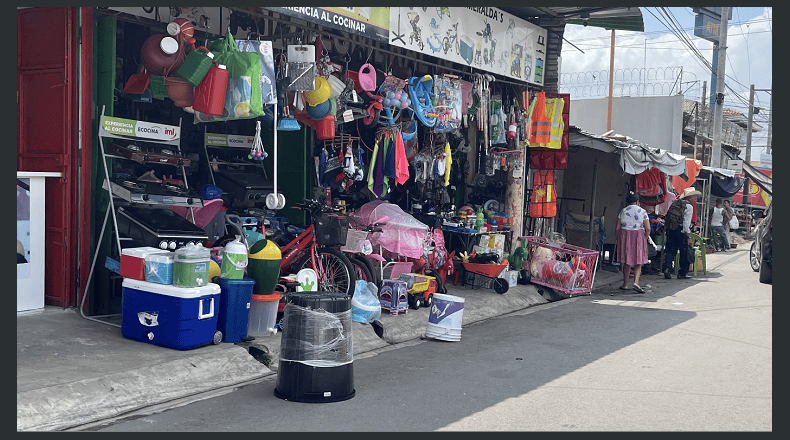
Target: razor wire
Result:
[[653, 81]]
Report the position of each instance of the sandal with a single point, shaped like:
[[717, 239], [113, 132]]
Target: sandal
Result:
[[638, 289]]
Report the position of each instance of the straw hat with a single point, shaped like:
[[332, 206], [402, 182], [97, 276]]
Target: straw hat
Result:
[[690, 191], [321, 92]]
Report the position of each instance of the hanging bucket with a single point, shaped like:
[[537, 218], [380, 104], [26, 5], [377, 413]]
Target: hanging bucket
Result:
[[445, 317], [180, 91], [325, 128]]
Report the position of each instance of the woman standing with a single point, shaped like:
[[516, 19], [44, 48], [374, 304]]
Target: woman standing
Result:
[[633, 230]]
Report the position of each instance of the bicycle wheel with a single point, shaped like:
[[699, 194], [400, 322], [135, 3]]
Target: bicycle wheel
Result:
[[338, 273], [361, 270], [374, 269]]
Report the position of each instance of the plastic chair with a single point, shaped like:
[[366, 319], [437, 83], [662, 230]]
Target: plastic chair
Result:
[[700, 250]]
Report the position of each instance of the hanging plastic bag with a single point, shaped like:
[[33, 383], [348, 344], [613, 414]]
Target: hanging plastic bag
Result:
[[447, 91], [242, 100], [365, 305], [266, 54], [497, 122]]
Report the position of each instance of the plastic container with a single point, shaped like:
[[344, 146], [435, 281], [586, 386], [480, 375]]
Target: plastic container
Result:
[[445, 318], [161, 54], [133, 261], [234, 308], [264, 266], [210, 93], [195, 66], [316, 357], [180, 91], [170, 316], [234, 260], [191, 266], [263, 314], [159, 268]]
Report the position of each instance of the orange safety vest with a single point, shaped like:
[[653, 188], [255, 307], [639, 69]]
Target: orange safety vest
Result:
[[543, 201], [540, 128]]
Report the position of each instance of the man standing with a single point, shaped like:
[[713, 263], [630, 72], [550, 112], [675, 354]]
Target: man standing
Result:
[[718, 219], [677, 224]]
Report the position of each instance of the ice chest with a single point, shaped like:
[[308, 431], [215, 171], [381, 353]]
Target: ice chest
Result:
[[170, 316], [133, 261]]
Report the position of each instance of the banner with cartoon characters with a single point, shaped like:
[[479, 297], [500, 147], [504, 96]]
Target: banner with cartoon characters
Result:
[[484, 38]]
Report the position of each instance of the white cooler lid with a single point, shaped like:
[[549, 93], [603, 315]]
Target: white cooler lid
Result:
[[141, 252], [171, 290]]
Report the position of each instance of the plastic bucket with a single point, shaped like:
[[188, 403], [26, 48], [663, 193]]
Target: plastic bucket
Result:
[[263, 314], [445, 317]]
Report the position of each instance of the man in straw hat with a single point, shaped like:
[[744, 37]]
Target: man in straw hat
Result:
[[677, 223]]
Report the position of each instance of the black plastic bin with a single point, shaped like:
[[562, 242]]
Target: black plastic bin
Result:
[[316, 353]]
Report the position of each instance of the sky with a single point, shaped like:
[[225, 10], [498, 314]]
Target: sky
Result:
[[661, 53]]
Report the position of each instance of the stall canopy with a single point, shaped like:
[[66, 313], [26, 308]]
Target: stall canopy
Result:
[[634, 156], [759, 179]]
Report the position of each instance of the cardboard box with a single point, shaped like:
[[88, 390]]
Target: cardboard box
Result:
[[511, 276]]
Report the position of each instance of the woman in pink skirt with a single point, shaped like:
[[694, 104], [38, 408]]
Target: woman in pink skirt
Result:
[[633, 229]]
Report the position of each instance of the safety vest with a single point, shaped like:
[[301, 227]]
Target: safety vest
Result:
[[543, 200], [547, 124]]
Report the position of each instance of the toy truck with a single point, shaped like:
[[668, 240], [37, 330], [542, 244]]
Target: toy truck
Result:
[[420, 289]]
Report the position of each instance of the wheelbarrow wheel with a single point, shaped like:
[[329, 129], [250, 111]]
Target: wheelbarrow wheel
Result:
[[501, 285]]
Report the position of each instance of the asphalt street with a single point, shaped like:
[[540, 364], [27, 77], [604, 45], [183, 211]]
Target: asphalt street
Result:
[[688, 355]]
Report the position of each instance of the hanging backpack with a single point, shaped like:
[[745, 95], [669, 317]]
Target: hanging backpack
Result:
[[673, 220]]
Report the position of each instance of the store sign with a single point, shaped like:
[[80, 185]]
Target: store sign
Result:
[[368, 22], [229, 140], [485, 38], [141, 129]]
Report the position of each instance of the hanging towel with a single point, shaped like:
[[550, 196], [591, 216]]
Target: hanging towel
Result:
[[449, 158], [401, 163], [372, 169], [389, 158], [379, 183]]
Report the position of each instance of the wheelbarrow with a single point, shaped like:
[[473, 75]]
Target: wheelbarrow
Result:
[[487, 272]]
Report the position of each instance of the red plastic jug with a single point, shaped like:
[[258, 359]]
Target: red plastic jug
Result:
[[210, 93]]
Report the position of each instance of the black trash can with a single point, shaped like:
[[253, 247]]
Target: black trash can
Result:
[[316, 353]]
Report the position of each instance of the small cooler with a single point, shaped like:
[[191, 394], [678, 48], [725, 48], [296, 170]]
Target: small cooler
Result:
[[170, 316]]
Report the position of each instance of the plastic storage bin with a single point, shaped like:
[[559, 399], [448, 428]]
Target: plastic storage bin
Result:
[[316, 358], [234, 308], [170, 316], [263, 314]]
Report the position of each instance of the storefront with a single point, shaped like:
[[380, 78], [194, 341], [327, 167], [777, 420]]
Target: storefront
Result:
[[453, 86]]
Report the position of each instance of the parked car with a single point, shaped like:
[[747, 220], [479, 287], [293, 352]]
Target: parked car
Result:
[[760, 255]]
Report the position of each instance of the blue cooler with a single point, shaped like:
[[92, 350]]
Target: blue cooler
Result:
[[170, 316], [234, 308]]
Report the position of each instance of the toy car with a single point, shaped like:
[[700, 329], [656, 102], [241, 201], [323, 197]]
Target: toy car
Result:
[[420, 289]]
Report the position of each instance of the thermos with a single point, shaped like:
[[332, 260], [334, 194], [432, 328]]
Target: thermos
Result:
[[161, 54], [210, 93]]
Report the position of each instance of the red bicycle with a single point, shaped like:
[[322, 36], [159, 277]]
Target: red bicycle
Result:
[[334, 270]]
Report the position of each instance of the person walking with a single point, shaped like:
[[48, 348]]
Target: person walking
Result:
[[719, 217], [677, 224], [730, 215], [633, 230]]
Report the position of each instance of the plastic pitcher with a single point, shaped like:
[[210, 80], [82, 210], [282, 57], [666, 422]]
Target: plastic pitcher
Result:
[[210, 93]]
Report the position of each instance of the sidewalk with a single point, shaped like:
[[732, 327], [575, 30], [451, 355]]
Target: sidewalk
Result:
[[72, 371]]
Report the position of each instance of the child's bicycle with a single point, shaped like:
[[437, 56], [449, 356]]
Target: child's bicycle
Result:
[[333, 269]]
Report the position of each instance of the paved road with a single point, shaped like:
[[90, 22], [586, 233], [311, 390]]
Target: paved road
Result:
[[688, 355]]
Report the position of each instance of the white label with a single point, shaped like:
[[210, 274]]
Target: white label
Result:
[[354, 95], [327, 393], [348, 116]]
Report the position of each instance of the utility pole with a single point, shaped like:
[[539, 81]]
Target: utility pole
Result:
[[718, 111], [746, 192], [698, 135], [611, 85]]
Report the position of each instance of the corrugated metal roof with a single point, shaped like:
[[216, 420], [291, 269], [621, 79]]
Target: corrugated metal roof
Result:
[[619, 18]]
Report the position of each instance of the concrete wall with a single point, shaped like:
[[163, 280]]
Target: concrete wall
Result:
[[654, 120], [611, 187]]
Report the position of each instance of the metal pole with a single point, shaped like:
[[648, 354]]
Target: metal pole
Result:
[[704, 110], [715, 159], [770, 117], [592, 197], [746, 192], [611, 85]]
